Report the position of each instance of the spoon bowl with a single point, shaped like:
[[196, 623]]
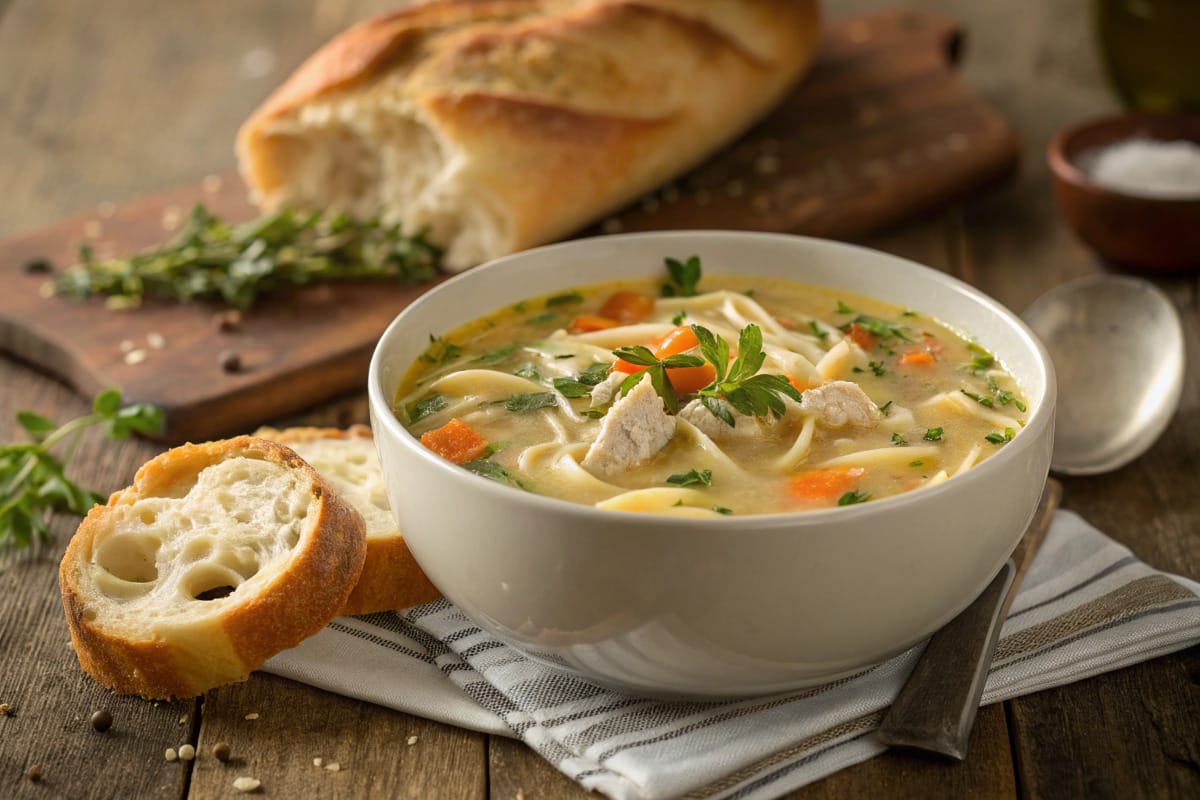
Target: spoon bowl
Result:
[[1117, 346]]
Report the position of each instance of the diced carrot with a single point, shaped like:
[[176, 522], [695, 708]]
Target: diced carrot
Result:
[[586, 323], [627, 307], [824, 484], [861, 336], [916, 358], [684, 379], [455, 441], [677, 341]]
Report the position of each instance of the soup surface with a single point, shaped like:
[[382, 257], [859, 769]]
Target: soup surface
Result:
[[744, 396]]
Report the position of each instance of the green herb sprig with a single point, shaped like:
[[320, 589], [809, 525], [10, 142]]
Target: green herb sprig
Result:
[[237, 264], [33, 481], [656, 368], [691, 478], [739, 385], [685, 277]]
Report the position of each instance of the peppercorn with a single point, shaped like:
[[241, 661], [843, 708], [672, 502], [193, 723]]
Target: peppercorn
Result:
[[34, 773], [220, 752], [101, 721], [229, 360]]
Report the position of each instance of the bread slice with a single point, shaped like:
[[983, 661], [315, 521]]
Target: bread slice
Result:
[[219, 556], [391, 578], [505, 124]]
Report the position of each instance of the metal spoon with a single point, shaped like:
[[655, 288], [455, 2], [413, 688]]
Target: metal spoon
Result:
[[1117, 347]]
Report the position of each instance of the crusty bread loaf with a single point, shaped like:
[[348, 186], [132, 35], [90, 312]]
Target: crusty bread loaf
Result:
[[216, 558], [501, 124], [391, 578]]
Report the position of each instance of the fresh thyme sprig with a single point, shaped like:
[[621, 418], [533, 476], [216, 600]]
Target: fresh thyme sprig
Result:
[[33, 481], [740, 384], [237, 264]]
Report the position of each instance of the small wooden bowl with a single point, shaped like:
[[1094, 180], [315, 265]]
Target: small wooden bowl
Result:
[[1141, 233]]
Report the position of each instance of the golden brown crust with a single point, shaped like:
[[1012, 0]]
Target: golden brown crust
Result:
[[295, 604], [391, 577]]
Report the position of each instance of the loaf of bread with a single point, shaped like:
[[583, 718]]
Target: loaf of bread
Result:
[[504, 124], [219, 556], [391, 578]]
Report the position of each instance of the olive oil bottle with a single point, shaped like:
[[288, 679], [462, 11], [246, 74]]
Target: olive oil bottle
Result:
[[1151, 49]]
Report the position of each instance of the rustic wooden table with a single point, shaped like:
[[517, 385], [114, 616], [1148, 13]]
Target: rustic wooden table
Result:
[[101, 103]]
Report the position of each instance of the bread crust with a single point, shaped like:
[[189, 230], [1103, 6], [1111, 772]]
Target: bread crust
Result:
[[555, 112], [391, 577], [294, 604]]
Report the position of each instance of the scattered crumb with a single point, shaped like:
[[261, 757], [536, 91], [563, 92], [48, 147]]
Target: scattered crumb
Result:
[[92, 229], [183, 719], [318, 762], [136, 356], [220, 752], [172, 216], [333, 766], [170, 754], [412, 740], [5, 708], [211, 183], [251, 715], [187, 752], [245, 784], [47, 289], [156, 340]]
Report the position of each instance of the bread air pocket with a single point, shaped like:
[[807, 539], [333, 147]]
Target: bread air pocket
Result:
[[219, 556]]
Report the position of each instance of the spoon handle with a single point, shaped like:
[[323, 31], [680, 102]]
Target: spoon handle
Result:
[[935, 710]]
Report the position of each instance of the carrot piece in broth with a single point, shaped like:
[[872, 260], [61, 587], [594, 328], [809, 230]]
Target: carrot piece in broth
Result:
[[456, 441], [587, 323], [627, 307], [827, 483]]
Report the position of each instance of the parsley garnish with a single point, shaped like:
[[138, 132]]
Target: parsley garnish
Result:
[[493, 471], [33, 481], [916, 463], [426, 406], [1001, 438], [542, 319], [440, 351], [569, 387], [737, 384], [678, 319], [898, 440], [983, 401], [853, 497], [817, 330], [1004, 396], [499, 354], [886, 409], [933, 435], [564, 299], [656, 369], [685, 276], [691, 478], [237, 264], [877, 368], [876, 327], [842, 308], [722, 510], [981, 360], [521, 403], [529, 372]]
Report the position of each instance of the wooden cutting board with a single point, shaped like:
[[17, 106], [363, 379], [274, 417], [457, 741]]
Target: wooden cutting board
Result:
[[880, 130]]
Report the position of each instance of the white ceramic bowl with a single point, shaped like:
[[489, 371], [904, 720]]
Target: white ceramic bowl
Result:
[[723, 607]]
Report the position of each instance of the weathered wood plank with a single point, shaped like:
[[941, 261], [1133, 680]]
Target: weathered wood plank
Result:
[[296, 724]]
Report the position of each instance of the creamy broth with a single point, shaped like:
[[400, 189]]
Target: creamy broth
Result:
[[889, 399]]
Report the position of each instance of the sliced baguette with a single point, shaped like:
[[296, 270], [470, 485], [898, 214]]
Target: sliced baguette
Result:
[[391, 577], [219, 556], [505, 124]]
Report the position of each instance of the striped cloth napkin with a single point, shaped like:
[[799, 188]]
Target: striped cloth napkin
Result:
[[1086, 606]]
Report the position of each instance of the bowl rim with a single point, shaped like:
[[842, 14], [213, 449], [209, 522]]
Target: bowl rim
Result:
[[1036, 424], [1063, 168]]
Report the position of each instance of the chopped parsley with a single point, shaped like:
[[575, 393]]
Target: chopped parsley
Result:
[[877, 327], [492, 471], [564, 299], [426, 406], [581, 386], [817, 330], [521, 403], [529, 372], [685, 277], [916, 463], [678, 319], [981, 359], [499, 354], [542, 319], [933, 435], [986, 402], [842, 308], [440, 351], [1001, 438], [691, 478], [898, 440], [722, 510], [1003, 396], [853, 497], [886, 409]]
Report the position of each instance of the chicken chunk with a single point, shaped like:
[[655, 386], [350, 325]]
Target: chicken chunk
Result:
[[634, 429], [837, 404], [604, 391]]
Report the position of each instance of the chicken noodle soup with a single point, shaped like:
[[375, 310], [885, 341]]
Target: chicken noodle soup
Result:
[[741, 396]]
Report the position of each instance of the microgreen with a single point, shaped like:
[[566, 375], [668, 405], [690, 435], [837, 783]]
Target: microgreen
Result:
[[236, 264], [33, 481]]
